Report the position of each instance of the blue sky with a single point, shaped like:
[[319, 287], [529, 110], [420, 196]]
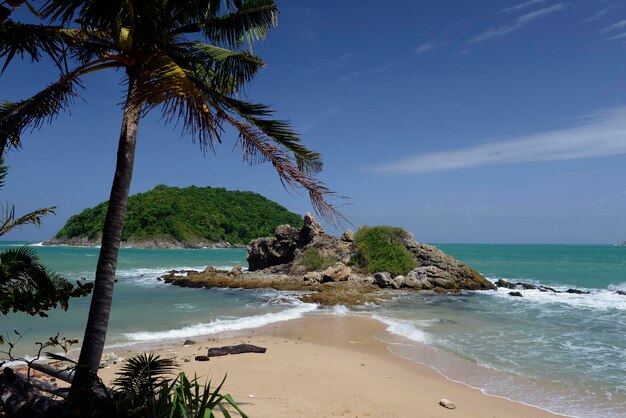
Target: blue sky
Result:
[[499, 121]]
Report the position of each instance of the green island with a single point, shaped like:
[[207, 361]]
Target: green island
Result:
[[190, 217]]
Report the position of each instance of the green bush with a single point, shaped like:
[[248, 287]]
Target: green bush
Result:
[[381, 248], [314, 260]]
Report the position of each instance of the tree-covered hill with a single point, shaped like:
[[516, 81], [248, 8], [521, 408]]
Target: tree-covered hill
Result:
[[193, 216]]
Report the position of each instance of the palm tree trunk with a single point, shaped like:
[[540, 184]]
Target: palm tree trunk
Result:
[[102, 297]]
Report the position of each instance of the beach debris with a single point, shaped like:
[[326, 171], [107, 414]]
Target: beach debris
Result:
[[188, 342], [447, 403], [64, 375], [516, 294], [202, 358], [235, 349], [186, 360], [250, 396]]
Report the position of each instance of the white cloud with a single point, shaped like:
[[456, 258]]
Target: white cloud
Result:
[[603, 135], [518, 23], [521, 6], [599, 15], [619, 25], [429, 46], [616, 37]]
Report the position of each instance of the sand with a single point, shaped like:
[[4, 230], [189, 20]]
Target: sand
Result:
[[331, 366]]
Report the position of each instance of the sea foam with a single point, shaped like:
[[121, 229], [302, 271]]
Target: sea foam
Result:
[[221, 325], [599, 299], [405, 328]]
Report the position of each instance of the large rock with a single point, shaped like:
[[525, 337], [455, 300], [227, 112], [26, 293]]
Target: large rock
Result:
[[337, 273], [268, 252], [444, 271]]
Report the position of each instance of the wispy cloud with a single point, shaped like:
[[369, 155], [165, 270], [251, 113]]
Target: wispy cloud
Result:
[[428, 46], [603, 135], [599, 15], [619, 25], [517, 24], [342, 61], [381, 69], [616, 37], [521, 6]]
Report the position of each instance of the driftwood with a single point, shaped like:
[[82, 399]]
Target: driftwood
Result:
[[49, 388], [64, 375], [20, 399], [235, 349]]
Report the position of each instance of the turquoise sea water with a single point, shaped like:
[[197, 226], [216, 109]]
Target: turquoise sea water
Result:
[[562, 352]]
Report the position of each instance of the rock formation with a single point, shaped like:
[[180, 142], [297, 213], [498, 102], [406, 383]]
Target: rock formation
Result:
[[283, 262]]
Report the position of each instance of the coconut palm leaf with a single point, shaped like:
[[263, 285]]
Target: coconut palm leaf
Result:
[[32, 113], [28, 286], [140, 376], [34, 41], [33, 218], [250, 22]]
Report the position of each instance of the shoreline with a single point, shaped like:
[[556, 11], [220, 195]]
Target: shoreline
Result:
[[316, 355]]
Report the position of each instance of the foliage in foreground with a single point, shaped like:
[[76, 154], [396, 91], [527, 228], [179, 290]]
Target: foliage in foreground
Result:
[[143, 390], [188, 214], [381, 248], [26, 285]]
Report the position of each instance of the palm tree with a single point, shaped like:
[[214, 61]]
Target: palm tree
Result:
[[194, 84]]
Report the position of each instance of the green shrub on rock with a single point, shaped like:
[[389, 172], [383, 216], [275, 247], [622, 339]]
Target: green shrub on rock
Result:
[[381, 248], [314, 260]]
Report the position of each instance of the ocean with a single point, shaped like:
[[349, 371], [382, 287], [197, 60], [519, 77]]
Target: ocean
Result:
[[565, 353]]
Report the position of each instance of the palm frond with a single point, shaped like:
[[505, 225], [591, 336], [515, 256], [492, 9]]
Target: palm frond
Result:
[[28, 286], [141, 375], [258, 148], [310, 162], [162, 82], [251, 21], [15, 117], [34, 41], [91, 13], [33, 218], [227, 71]]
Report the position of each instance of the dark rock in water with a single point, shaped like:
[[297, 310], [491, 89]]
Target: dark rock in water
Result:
[[577, 292], [506, 284], [621, 292], [235, 349], [202, 358], [527, 286], [516, 294], [189, 342]]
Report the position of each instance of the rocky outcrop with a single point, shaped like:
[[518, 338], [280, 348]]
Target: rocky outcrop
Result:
[[310, 260], [285, 253]]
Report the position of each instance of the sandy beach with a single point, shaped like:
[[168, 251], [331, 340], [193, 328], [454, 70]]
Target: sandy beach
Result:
[[331, 366]]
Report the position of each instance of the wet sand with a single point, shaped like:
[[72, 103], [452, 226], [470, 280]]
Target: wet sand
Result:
[[330, 366]]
